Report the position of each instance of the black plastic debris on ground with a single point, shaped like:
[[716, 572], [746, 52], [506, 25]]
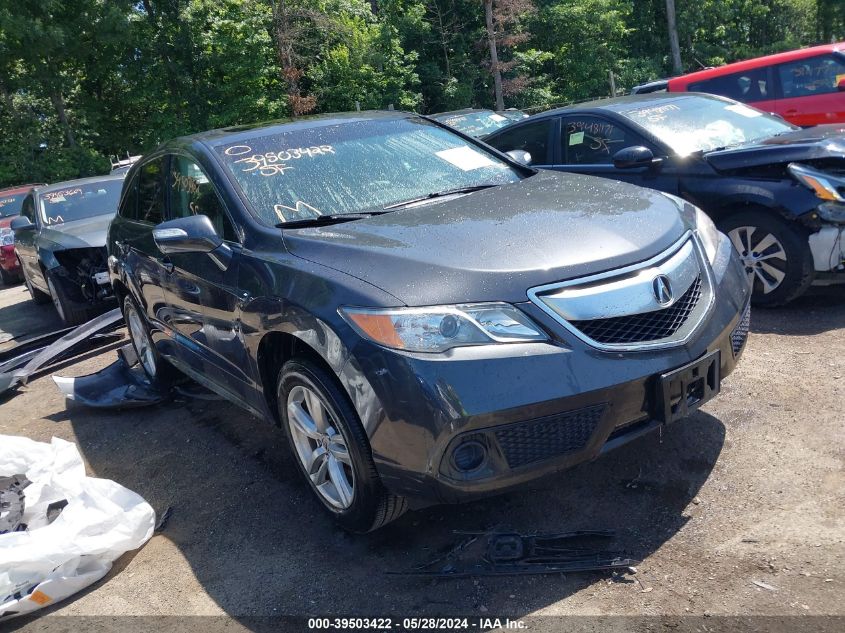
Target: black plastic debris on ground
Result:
[[125, 385], [17, 370], [12, 503], [119, 385], [512, 554]]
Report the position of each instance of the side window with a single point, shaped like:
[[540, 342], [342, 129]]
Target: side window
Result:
[[749, 86], [191, 193], [28, 208], [129, 206], [532, 138], [151, 192], [813, 76], [591, 140]]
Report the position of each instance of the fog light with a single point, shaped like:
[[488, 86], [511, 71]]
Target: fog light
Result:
[[469, 456]]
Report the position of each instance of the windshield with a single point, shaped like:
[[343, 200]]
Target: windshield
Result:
[[355, 167], [11, 204], [475, 123], [692, 124], [76, 202]]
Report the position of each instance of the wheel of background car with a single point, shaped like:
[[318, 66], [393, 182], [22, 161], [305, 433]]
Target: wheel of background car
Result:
[[37, 295], [69, 313], [156, 367], [7, 278], [331, 448], [775, 253]]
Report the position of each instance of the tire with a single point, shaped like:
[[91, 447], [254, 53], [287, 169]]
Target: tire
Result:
[[38, 296], [784, 269], [9, 279], [69, 312], [156, 368], [369, 505]]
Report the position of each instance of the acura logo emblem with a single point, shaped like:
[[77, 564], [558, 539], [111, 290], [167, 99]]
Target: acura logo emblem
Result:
[[662, 290]]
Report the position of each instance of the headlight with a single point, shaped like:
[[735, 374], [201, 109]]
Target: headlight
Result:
[[708, 233], [439, 328], [701, 223], [826, 186], [7, 238]]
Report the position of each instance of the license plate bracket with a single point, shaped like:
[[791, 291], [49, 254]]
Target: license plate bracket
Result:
[[682, 391]]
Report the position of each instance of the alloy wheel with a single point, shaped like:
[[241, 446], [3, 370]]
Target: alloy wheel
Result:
[[762, 255], [141, 341], [320, 447]]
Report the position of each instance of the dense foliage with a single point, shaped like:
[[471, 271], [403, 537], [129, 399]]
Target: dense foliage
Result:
[[81, 80]]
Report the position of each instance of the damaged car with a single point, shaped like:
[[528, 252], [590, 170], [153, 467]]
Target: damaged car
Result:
[[60, 240], [776, 190], [428, 320]]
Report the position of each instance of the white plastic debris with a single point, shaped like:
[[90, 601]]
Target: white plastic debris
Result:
[[51, 561]]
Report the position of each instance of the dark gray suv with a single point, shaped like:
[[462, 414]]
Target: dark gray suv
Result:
[[427, 319]]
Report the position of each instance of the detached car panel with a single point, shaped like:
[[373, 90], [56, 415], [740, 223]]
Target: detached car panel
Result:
[[427, 320]]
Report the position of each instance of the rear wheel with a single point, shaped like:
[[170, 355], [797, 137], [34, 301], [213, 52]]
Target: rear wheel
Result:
[[69, 312], [332, 449], [156, 367], [775, 253]]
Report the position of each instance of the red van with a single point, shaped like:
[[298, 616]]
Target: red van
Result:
[[806, 87], [11, 200]]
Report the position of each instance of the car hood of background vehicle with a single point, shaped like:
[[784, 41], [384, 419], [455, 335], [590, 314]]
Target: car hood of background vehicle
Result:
[[497, 243], [822, 141], [89, 232]]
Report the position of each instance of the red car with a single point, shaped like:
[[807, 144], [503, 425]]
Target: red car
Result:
[[806, 87], [11, 200]]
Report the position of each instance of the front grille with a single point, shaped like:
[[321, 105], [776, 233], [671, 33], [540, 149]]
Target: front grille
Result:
[[740, 333], [645, 327], [552, 436]]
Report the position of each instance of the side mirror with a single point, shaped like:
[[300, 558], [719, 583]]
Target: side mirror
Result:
[[636, 156], [520, 156], [194, 234], [840, 85], [21, 223]]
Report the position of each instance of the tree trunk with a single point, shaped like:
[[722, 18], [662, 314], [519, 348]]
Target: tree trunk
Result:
[[443, 42], [674, 45], [59, 105], [494, 55]]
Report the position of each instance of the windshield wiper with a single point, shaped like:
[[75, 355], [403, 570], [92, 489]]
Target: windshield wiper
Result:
[[325, 219], [441, 194]]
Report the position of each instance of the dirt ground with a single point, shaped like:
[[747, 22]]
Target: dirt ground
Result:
[[751, 488]]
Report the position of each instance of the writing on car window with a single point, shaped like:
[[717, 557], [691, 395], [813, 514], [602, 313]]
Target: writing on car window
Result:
[[355, 166], [81, 201]]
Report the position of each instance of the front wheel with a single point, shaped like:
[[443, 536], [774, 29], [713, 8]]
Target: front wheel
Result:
[[331, 448], [69, 312], [775, 253]]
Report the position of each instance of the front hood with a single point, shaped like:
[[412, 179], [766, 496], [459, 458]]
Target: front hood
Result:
[[497, 243], [820, 142], [90, 232]]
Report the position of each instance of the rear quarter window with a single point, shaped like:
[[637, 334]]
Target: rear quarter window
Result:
[[748, 86]]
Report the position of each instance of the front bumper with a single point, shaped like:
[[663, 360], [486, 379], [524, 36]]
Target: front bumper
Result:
[[8, 261], [536, 408]]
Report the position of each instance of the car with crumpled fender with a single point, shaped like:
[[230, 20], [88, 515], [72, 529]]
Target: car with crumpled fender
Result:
[[776, 190], [427, 319], [60, 241]]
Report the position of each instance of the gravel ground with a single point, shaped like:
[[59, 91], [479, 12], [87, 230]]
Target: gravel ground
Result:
[[751, 488]]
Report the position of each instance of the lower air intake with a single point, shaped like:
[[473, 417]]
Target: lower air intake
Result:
[[552, 436]]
